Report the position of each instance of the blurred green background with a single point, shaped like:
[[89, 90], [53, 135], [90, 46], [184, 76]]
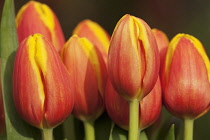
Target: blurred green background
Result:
[[171, 16]]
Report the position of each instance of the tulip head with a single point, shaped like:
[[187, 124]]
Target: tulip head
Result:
[[41, 84], [162, 42], [186, 78], [88, 73], [133, 59], [118, 108], [96, 34], [35, 17]]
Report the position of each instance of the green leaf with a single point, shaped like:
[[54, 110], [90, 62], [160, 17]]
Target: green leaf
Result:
[[143, 136], [118, 133], [170, 135], [16, 128]]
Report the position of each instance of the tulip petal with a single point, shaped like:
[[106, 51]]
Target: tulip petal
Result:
[[126, 48], [93, 32], [118, 108], [133, 62], [44, 21], [41, 96], [187, 83], [30, 106], [81, 60]]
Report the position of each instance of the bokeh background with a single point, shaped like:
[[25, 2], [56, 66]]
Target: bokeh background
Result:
[[171, 16]]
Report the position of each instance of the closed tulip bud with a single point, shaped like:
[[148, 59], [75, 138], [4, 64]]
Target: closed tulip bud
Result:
[[88, 73], [96, 34], [186, 78], [162, 42], [133, 59], [35, 17], [41, 84], [118, 108]]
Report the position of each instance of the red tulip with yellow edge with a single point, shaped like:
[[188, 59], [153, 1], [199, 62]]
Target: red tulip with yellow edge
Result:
[[186, 80], [35, 17], [133, 61], [162, 42], [42, 88], [133, 64], [88, 73], [96, 34], [118, 108]]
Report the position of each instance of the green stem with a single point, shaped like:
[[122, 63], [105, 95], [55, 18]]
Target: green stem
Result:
[[134, 120], [47, 134], [89, 130], [188, 129]]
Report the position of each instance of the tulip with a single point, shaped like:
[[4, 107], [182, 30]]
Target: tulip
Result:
[[41, 84], [186, 80], [35, 17], [96, 34], [133, 61], [88, 73], [133, 64], [118, 108], [162, 42]]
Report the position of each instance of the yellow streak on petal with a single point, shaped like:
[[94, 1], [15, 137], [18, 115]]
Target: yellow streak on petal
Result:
[[45, 13], [41, 55], [197, 45], [170, 52], [136, 32], [97, 30], [47, 17], [92, 55], [142, 35], [38, 59], [19, 15], [202, 52]]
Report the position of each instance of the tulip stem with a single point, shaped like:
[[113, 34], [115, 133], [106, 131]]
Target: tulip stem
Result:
[[188, 129], [89, 130], [47, 134], [134, 120]]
